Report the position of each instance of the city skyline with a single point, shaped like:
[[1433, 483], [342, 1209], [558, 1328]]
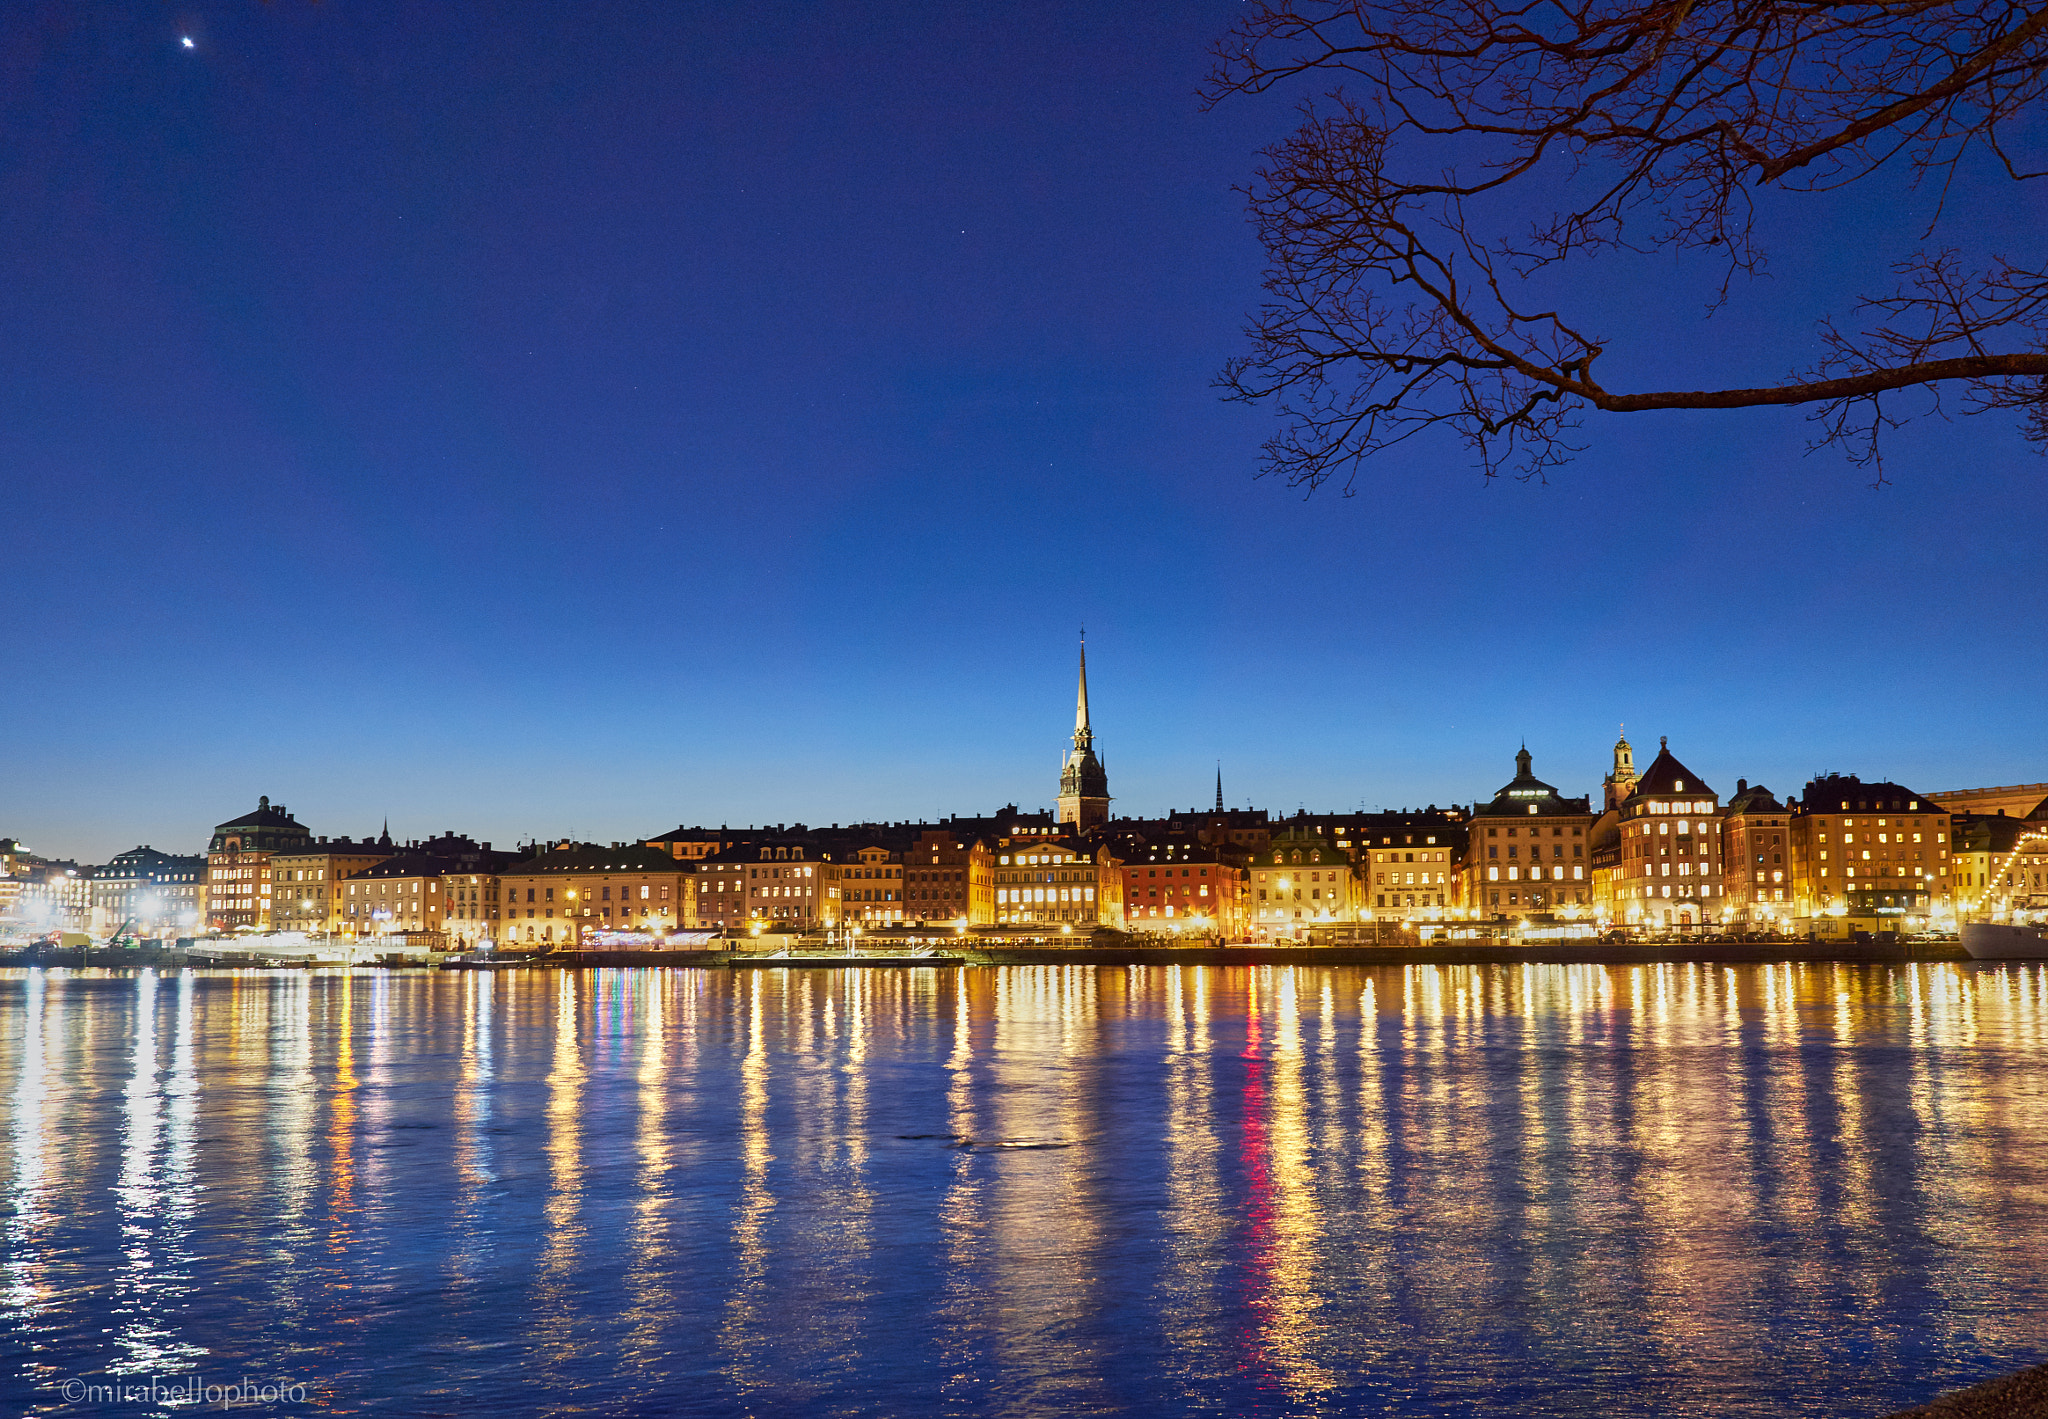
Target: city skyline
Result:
[[1120, 807]]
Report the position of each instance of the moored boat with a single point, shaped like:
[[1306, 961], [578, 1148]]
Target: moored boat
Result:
[[1997, 941]]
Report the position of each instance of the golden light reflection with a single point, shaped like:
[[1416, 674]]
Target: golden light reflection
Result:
[[556, 1322], [475, 1169], [28, 1214], [745, 1311], [648, 1281]]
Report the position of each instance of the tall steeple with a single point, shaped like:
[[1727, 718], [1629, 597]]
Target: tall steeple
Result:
[[1084, 737], [1621, 783], [1219, 785], [1084, 785]]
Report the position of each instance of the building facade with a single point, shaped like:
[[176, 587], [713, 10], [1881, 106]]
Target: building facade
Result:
[[1526, 852], [1998, 866], [146, 894], [1302, 879], [1868, 857], [306, 884], [238, 882], [1184, 886], [1408, 870], [947, 877], [865, 890], [1756, 860], [1066, 882], [1670, 870], [573, 895]]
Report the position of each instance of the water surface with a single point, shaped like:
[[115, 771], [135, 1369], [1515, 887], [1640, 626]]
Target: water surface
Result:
[[1519, 1190]]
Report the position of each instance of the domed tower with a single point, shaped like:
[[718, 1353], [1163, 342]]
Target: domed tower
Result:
[[1622, 782], [1084, 785]]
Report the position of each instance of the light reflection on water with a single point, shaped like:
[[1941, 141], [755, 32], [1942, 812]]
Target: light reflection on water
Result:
[[1511, 1190]]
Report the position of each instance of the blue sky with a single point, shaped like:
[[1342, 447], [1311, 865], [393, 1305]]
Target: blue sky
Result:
[[603, 418]]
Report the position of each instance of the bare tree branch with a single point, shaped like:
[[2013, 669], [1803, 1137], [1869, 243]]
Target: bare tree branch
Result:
[[1394, 307]]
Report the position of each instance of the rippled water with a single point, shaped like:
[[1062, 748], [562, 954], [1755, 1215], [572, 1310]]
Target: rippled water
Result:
[[1036, 1190]]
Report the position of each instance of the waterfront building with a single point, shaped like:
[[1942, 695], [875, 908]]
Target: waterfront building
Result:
[[718, 895], [571, 895], [238, 879], [1084, 782], [1065, 881], [451, 899], [149, 893], [949, 878], [866, 889], [1525, 851], [1408, 863], [15, 862], [50, 896], [306, 883], [1756, 859], [1176, 885], [1302, 879], [1868, 857], [1670, 870]]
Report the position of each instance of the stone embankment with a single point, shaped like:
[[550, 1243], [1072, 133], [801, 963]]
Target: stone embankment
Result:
[[968, 953], [2020, 1396]]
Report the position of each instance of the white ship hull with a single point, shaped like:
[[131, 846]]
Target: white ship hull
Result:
[[1991, 941]]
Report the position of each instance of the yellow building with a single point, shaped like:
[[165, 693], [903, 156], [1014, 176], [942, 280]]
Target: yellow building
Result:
[[1526, 852], [574, 895], [1061, 881], [454, 904], [1999, 866], [865, 890], [306, 884], [1868, 857], [1302, 879], [1407, 869]]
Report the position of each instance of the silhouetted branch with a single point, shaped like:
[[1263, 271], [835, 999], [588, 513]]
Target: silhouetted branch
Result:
[[1391, 309]]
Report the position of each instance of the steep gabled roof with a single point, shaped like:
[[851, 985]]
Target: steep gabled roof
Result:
[[1666, 776]]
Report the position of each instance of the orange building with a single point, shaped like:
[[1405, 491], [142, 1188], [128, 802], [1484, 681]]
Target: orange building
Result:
[[1756, 855], [238, 878], [1174, 886]]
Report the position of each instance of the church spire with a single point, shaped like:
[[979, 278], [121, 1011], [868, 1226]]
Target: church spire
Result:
[[1084, 787], [1083, 735], [1219, 785]]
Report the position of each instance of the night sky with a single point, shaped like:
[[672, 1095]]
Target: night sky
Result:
[[579, 419]]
